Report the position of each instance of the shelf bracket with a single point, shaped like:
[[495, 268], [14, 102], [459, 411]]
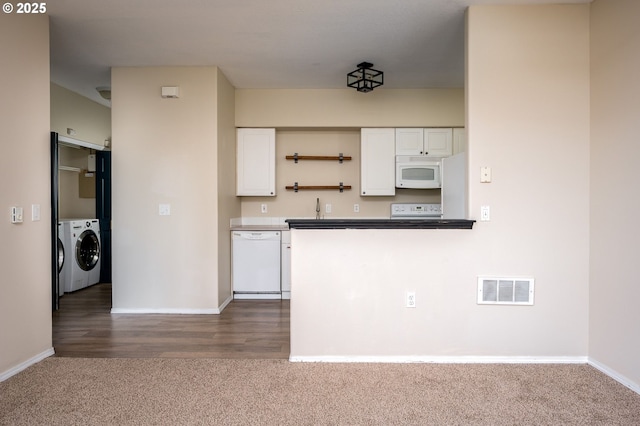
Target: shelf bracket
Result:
[[341, 159], [295, 186], [295, 157], [341, 185]]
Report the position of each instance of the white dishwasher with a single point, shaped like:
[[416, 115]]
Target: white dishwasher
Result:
[[256, 264]]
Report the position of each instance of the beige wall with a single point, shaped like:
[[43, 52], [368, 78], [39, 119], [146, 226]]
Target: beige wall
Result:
[[90, 120], [25, 285], [228, 203], [327, 122], [92, 123], [165, 152], [70, 204], [615, 66], [288, 203], [527, 118], [349, 108]]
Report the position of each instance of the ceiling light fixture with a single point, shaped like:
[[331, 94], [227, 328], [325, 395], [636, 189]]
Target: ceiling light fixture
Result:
[[105, 92], [365, 78]]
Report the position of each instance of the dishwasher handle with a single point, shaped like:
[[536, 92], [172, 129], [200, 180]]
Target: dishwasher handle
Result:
[[248, 235]]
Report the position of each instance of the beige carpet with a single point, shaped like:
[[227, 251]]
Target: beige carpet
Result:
[[75, 391]]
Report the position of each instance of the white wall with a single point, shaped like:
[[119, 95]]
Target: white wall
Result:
[[528, 118], [165, 151], [25, 253], [615, 92]]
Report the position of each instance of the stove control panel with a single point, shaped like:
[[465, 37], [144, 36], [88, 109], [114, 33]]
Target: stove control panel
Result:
[[416, 210]]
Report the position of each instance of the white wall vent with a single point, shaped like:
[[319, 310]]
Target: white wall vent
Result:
[[505, 291]]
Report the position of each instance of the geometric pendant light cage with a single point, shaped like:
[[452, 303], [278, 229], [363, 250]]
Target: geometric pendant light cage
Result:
[[365, 78]]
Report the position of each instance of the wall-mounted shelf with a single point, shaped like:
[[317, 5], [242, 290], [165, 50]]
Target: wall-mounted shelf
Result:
[[295, 187], [340, 158], [69, 169]]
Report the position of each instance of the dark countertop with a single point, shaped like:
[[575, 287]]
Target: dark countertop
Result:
[[380, 224]]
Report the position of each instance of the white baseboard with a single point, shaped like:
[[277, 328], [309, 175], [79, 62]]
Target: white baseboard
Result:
[[620, 378], [212, 311], [24, 365], [447, 359], [165, 311], [225, 303]]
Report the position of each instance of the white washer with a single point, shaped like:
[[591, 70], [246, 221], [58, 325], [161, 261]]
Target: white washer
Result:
[[63, 264], [94, 273], [83, 253]]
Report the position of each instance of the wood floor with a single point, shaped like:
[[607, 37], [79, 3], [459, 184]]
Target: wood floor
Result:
[[84, 327]]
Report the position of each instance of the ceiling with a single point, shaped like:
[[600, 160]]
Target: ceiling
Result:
[[275, 44]]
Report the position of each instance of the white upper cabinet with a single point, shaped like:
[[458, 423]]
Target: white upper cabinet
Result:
[[438, 142], [459, 140], [377, 162], [431, 142], [256, 162], [410, 141]]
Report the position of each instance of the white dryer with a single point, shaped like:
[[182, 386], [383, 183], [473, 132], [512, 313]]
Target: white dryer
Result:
[[83, 253]]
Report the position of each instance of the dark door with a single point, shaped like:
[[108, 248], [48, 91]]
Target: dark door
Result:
[[103, 211], [55, 279]]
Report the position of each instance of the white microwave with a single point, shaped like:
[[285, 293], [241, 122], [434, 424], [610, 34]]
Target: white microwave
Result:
[[418, 172]]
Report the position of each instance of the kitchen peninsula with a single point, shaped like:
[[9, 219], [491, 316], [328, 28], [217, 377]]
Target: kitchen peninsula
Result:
[[380, 224], [350, 280]]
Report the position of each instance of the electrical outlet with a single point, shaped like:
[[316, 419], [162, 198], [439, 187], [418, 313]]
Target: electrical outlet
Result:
[[327, 208], [485, 213], [263, 208], [356, 208], [411, 299], [485, 174]]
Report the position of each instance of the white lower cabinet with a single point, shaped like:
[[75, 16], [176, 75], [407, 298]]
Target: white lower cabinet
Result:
[[285, 265]]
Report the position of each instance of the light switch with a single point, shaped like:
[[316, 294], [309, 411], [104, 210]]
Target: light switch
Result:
[[16, 215], [35, 212], [485, 174], [164, 210], [485, 213]]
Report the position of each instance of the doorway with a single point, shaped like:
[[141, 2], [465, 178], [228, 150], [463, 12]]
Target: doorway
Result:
[[97, 182]]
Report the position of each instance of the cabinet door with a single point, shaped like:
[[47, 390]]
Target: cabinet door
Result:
[[459, 140], [438, 142], [256, 157], [409, 141], [377, 162]]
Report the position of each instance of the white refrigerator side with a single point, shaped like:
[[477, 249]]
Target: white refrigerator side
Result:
[[454, 187]]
